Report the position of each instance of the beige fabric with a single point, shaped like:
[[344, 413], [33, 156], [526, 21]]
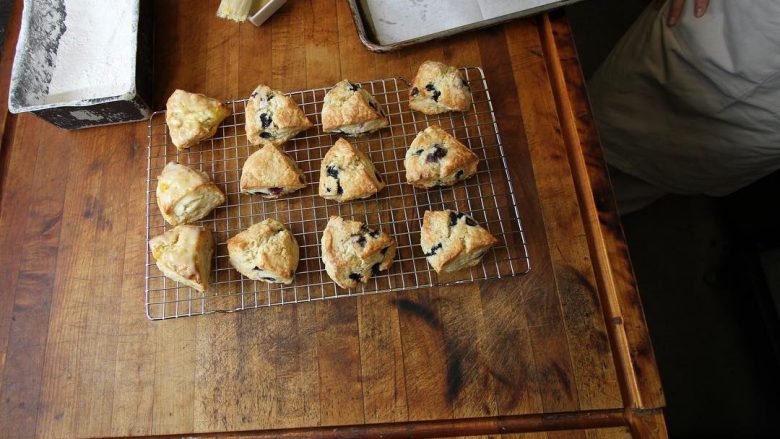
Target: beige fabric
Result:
[[694, 108]]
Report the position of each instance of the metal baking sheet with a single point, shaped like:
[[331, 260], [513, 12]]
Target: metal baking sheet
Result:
[[388, 25]]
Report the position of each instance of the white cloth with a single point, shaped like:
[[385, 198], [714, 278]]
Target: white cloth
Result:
[[695, 108]]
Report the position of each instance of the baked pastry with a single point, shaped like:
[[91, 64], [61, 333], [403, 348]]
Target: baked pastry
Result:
[[185, 195], [266, 251], [192, 117], [435, 158], [184, 255], [352, 252], [273, 117], [346, 174], [270, 173], [452, 240], [439, 88], [350, 109]]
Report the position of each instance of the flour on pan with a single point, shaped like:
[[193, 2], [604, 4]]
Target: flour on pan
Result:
[[96, 54]]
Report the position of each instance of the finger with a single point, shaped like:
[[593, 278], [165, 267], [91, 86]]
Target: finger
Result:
[[700, 7], [674, 13]]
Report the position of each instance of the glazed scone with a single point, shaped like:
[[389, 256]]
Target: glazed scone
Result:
[[266, 251], [192, 117], [350, 109], [347, 174], [183, 254], [435, 158], [352, 252], [270, 173], [185, 195], [273, 117], [452, 240], [439, 88]]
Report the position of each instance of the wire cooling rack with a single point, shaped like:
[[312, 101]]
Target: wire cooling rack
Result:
[[397, 209]]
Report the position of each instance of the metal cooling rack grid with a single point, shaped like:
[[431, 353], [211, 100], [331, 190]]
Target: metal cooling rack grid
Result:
[[398, 209]]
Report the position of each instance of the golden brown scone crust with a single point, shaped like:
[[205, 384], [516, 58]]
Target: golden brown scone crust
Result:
[[352, 252], [346, 173], [266, 251], [183, 254], [350, 109], [271, 173], [192, 117], [436, 158], [273, 117], [185, 195], [452, 240], [438, 88]]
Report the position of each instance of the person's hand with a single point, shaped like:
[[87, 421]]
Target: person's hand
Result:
[[677, 6]]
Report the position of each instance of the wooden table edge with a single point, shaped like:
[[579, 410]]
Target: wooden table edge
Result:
[[632, 351], [641, 423]]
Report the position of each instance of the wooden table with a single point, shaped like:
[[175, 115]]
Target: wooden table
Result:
[[564, 347]]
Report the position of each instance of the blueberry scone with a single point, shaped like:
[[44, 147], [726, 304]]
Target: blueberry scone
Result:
[[192, 117], [270, 173], [439, 88], [273, 117], [266, 251], [352, 252], [185, 195], [350, 109], [347, 174], [435, 158], [184, 255], [452, 240]]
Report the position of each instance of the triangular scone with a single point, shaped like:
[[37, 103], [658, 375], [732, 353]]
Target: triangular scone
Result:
[[266, 251], [347, 174], [185, 195], [192, 117], [350, 109], [452, 240], [439, 88], [435, 158], [270, 173], [273, 117], [352, 252], [184, 255]]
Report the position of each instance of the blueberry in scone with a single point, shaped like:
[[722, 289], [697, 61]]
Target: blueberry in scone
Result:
[[453, 241], [273, 117], [350, 109], [347, 173], [352, 252], [270, 173], [266, 251], [439, 88], [192, 117], [436, 158], [185, 195], [183, 254]]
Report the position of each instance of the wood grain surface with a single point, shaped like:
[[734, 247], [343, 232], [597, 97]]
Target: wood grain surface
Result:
[[562, 351]]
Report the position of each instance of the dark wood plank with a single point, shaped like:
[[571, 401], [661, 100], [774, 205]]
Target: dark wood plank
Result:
[[11, 218], [595, 375], [37, 250], [627, 315], [132, 406], [545, 323]]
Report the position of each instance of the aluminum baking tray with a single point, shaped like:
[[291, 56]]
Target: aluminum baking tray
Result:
[[398, 209], [374, 33]]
